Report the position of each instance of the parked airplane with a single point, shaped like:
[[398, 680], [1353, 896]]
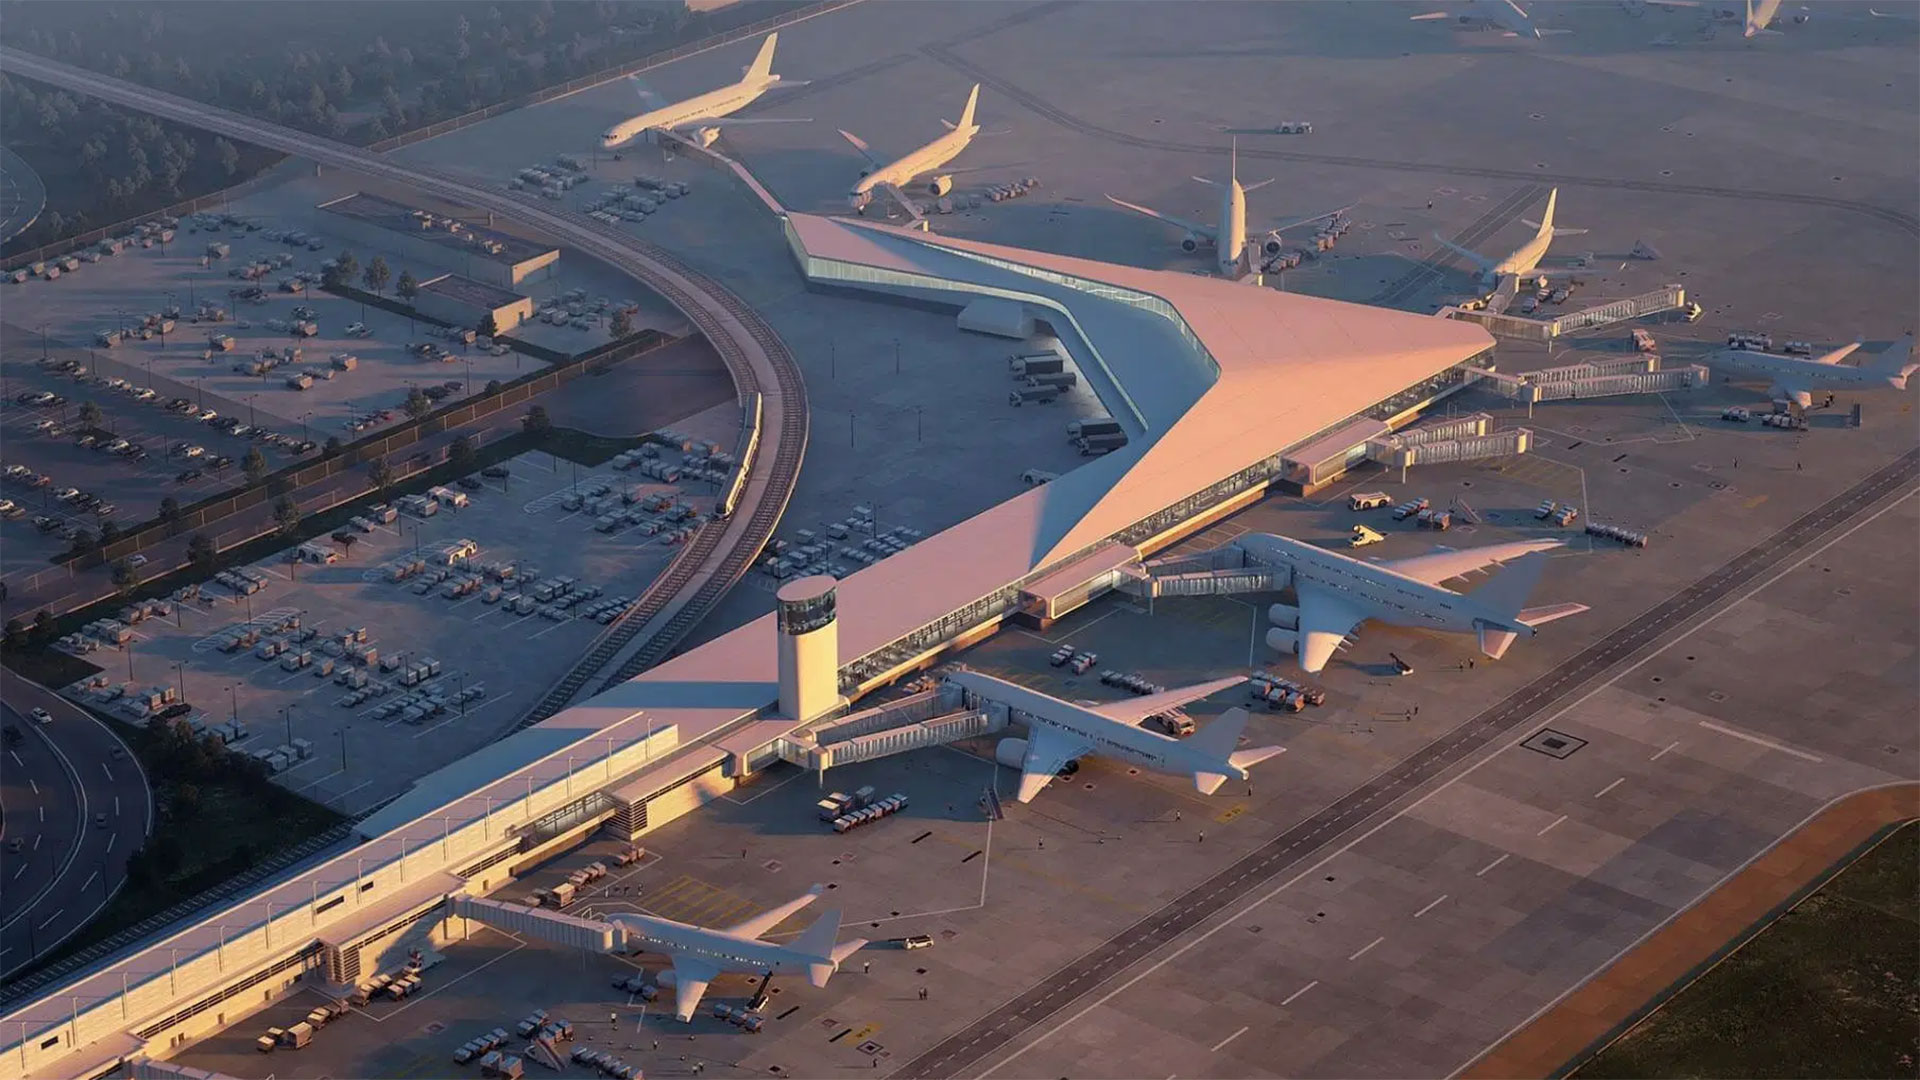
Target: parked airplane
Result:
[[700, 954], [1060, 732], [1755, 18], [1795, 377], [1525, 261], [1230, 240], [893, 176], [1505, 14], [701, 118], [1338, 593]]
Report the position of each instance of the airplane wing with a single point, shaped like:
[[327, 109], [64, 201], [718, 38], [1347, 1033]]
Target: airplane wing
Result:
[[1837, 355], [690, 981], [647, 97], [767, 920], [1471, 256], [1446, 563], [1299, 221], [1048, 752], [1325, 622], [861, 145], [1193, 227], [1135, 710], [1792, 390], [736, 121]]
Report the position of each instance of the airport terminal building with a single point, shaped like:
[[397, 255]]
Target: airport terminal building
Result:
[[1225, 390]]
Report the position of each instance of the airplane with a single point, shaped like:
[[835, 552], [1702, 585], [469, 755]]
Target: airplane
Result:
[[1060, 732], [1231, 259], [1524, 263], [1337, 593], [700, 954], [1510, 17], [893, 176], [1795, 378], [1755, 18], [700, 118]]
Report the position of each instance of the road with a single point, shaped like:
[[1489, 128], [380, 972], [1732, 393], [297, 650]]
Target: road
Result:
[[55, 786], [754, 355], [1026, 1012]]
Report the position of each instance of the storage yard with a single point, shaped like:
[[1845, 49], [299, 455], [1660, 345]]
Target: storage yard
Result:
[[357, 663]]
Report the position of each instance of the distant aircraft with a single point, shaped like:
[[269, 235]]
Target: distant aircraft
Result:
[[1795, 378], [1505, 14], [700, 118], [1755, 18], [893, 176], [1230, 240], [699, 954], [1060, 732], [1525, 261]]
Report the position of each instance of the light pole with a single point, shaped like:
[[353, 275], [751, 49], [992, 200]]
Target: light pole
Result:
[[286, 714], [180, 671], [250, 398], [233, 697]]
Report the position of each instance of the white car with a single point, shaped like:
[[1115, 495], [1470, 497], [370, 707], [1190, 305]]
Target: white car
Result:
[[136, 560], [42, 716]]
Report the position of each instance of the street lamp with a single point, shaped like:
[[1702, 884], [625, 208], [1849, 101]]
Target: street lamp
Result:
[[234, 697], [180, 671], [286, 714]]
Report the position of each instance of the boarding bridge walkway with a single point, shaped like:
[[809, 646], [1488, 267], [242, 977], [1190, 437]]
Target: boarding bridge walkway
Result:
[[931, 718], [1223, 571], [1497, 321], [543, 923]]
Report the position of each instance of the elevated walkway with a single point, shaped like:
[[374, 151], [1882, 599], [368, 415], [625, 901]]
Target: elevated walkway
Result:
[[1638, 374], [1496, 320], [1462, 438], [545, 924], [1224, 571], [931, 718]]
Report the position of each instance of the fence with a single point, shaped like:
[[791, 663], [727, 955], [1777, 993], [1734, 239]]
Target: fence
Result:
[[537, 97]]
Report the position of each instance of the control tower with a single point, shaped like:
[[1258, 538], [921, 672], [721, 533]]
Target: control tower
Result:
[[809, 648]]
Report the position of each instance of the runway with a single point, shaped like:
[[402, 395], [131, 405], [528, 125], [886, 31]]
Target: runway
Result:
[[959, 1052]]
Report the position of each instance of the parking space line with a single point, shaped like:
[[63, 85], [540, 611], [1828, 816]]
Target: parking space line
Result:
[[1483, 870], [1437, 901], [1291, 998], [1551, 825], [1367, 948], [1223, 1042], [1603, 791], [1664, 751]]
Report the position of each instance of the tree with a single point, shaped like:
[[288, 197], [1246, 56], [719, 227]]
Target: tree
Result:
[[493, 386], [90, 414], [346, 540], [381, 473], [16, 634], [124, 576], [342, 269], [333, 446], [169, 510], [407, 287], [621, 324], [286, 514], [185, 801], [109, 532], [417, 404], [462, 453], [254, 464], [377, 274], [200, 550], [537, 422], [84, 542]]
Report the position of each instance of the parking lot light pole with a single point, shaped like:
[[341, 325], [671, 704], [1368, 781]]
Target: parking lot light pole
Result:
[[129, 660], [180, 669], [286, 714], [234, 697]]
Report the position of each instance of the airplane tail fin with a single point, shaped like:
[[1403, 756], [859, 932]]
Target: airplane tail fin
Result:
[[966, 114], [762, 66], [817, 942], [1218, 743], [847, 948], [1895, 362], [1545, 224], [1505, 594]]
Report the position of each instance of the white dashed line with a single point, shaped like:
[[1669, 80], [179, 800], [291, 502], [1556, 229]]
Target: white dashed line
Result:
[[1665, 750], [1228, 1039], [1491, 865], [1603, 791], [1293, 996], [1436, 903], [1550, 825], [1367, 948], [1758, 741]]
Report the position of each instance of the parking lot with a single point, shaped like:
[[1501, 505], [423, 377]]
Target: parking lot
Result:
[[474, 601]]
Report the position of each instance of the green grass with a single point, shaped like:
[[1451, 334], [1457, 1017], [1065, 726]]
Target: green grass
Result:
[[1831, 988]]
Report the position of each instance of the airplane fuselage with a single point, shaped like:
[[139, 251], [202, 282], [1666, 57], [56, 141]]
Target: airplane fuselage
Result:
[[1232, 245], [1372, 589], [1797, 373], [651, 934], [901, 171], [708, 106], [1125, 742]]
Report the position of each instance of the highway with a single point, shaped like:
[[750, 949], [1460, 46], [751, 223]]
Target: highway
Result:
[[54, 786], [1030, 1009], [755, 356]]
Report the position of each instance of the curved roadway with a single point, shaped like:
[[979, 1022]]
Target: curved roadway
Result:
[[77, 811], [755, 356]]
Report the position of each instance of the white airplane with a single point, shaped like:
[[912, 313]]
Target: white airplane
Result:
[[1338, 593], [892, 177], [1510, 17], [1524, 263], [1230, 240], [700, 118], [1796, 377], [1060, 732], [1755, 18], [699, 954]]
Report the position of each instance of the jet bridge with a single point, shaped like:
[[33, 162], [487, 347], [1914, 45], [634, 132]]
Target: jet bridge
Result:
[[931, 718], [1497, 322], [1223, 571]]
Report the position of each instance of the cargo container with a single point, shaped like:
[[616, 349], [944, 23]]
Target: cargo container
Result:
[[297, 1036], [1032, 395], [1103, 426], [1025, 367]]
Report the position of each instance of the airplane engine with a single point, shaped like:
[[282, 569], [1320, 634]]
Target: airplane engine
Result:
[[940, 185], [1010, 752], [1272, 247], [1285, 616], [1282, 640], [706, 136], [665, 978], [1190, 243]]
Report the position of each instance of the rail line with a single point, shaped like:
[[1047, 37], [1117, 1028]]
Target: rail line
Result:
[[751, 350], [1297, 845], [1906, 222]]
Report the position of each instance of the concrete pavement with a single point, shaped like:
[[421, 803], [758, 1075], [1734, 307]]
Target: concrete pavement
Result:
[[79, 811]]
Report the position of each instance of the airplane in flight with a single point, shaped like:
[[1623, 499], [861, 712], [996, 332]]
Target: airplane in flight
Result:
[[700, 954], [1060, 732], [1796, 377], [1230, 241], [1510, 17], [1524, 262], [892, 177], [1337, 593], [699, 119]]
